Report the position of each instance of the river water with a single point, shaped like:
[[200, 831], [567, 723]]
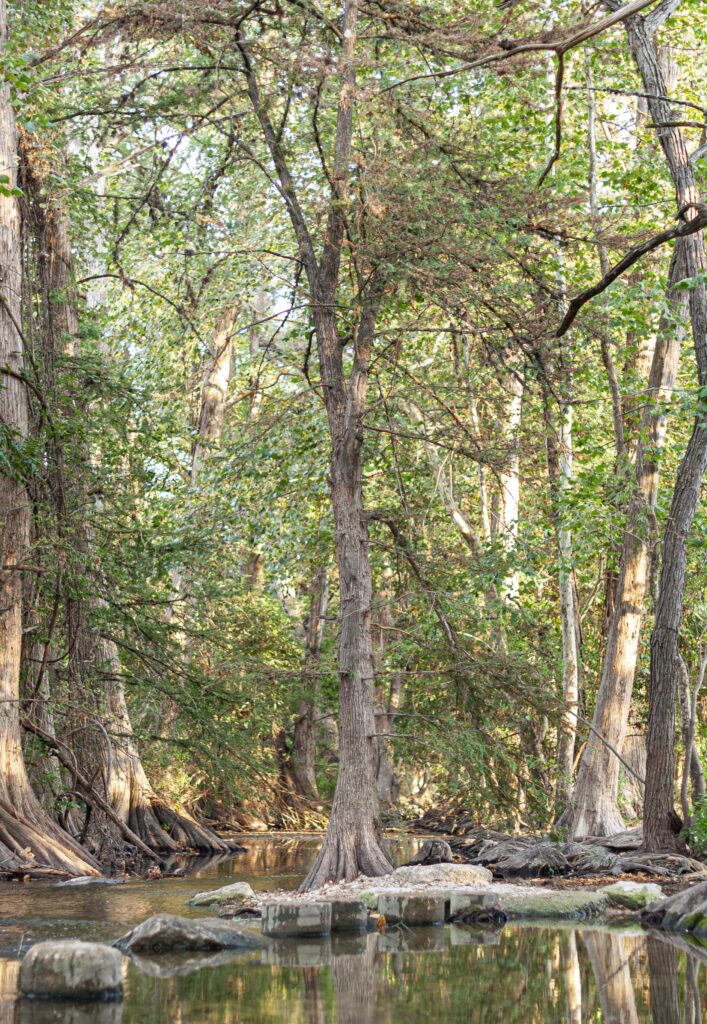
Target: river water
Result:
[[440, 975]]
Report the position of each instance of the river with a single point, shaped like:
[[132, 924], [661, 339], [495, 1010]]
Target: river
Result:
[[439, 975]]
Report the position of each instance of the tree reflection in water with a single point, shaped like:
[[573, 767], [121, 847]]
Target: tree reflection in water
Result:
[[523, 975]]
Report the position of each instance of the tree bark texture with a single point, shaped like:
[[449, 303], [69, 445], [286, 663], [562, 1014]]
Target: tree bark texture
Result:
[[304, 743], [659, 813], [596, 809]]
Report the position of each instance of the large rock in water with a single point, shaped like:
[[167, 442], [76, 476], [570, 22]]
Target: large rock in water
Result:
[[222, 895], [684, 912], [443, 874], [167, 933], [70, 969], [549, 904]]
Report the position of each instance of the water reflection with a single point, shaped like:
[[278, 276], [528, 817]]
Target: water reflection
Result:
[[529, 975], [451, 974]]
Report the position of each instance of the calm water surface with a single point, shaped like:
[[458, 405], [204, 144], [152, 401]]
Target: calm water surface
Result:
[[451, 974]]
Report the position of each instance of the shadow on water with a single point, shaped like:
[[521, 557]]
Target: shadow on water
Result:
[[450, 974]]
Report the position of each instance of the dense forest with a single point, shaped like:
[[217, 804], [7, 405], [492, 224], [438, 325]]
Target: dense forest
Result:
[[353, 423]]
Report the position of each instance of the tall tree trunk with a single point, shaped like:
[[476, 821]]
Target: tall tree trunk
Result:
[[506, 527], [660, 828], [560, 471], [353, 843], [304, 743], [28, 837], [596, 809]]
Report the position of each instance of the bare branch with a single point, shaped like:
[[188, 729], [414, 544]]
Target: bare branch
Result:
[[680, 231]]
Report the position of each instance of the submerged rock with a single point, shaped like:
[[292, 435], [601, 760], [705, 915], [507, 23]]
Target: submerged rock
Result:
[[168, 933], [71, 969], [443, 874], [216, 896], [632, 895], [289, 918]]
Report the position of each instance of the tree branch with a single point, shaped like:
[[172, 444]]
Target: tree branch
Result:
[[681, 231]]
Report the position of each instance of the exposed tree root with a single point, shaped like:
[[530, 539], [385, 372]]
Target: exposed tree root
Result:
[[32, 842]]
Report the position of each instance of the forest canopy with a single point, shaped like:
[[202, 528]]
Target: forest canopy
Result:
[[352, 427]]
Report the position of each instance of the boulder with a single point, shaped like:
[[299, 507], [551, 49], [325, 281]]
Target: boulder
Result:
[[218, 896], [443, 874], [166, 933], [349, 916], [292, 919], [632, 895], [411, 909], [70, 969]]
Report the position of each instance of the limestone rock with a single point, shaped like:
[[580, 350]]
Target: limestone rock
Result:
[[349, 916], [632, 895], [167, 933], [217, 896], [412, 908], [443, 874], [290, 918], [70, 969], [551, 904]]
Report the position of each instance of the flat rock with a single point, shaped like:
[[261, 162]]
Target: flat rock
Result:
[[70, 969], [443, 874], [167, 933], [292, 919], [215, 896], [632, 895], [550, 904], [412, 908]]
